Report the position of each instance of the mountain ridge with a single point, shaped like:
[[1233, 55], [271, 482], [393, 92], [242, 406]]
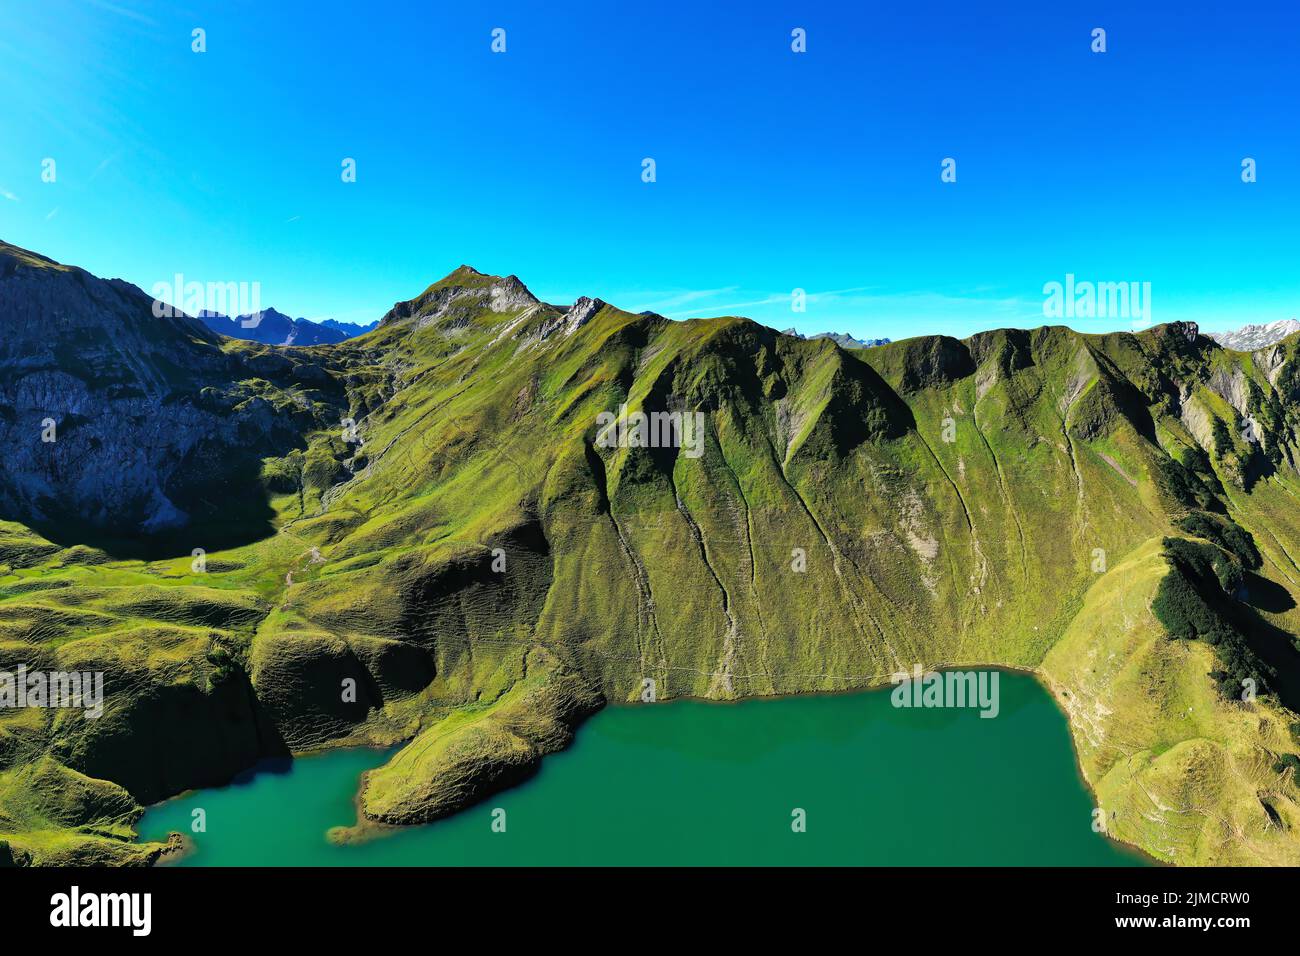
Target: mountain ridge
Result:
[[1250, 338], [842, 339], [272, 327], [426, 512]]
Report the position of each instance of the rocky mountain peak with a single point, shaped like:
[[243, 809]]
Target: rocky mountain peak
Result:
[[463, 287], [272, 327], [842, 339], [1248, 338]]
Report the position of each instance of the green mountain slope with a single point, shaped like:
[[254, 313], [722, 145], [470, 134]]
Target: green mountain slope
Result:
[[424, 536]]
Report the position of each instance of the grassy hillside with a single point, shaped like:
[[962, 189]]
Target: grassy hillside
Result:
[[443, 552]]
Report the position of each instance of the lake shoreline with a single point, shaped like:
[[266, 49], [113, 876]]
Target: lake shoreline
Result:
[[378, 833]]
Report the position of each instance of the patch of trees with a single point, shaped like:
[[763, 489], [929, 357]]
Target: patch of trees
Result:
[[1222, 437], [1204, 563], [1196, 461], [1240, 464], [1288, 379], [226, 662], [1228, 535], [1271, 416], [1190, 481], [1178, 355], [1189, 603]]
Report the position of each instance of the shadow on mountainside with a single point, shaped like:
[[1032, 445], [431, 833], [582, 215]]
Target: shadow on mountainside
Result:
[[1267, 596], [1276, 648], [230, 512]]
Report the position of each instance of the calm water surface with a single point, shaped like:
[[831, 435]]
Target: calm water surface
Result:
[[697, 783]]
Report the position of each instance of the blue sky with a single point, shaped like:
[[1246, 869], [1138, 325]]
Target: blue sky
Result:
[[775, 170]]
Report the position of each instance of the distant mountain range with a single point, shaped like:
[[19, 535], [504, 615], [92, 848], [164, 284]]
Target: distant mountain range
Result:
[[842, 339], [271, 327], [1248, 338]]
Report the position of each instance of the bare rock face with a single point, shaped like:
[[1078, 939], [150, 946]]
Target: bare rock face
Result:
[[581, 314], [1271, 360], [509, 295], [578, 315], [1249, 338], [111, 416], [462, 293], [1231, 387]]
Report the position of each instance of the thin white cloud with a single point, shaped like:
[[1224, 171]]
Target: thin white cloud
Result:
[[10, 196], [123, 12], [675, 300], [104, 164], [664, 301], [52, 213]]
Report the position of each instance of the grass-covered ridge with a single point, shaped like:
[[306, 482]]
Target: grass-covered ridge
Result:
[[431, 548]]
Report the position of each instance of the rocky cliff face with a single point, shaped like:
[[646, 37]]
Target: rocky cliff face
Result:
[[117, 420]]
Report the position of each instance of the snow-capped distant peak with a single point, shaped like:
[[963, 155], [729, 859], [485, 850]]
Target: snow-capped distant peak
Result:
[[1248, 338]]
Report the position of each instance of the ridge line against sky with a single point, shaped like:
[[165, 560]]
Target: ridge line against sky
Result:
[[775, 170]]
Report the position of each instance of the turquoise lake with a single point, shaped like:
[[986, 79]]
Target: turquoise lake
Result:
[[689, 782]]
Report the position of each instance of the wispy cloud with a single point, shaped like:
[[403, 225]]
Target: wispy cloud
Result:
[[666, 302], [122, 11], [775, 299], [52, 213], [10, 196], [104, 164]]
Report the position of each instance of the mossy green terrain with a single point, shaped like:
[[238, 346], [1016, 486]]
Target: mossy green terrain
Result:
[[434, 547]]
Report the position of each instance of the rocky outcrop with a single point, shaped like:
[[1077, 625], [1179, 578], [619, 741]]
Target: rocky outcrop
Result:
[[463, 292], [578, 315], [115, 419]]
